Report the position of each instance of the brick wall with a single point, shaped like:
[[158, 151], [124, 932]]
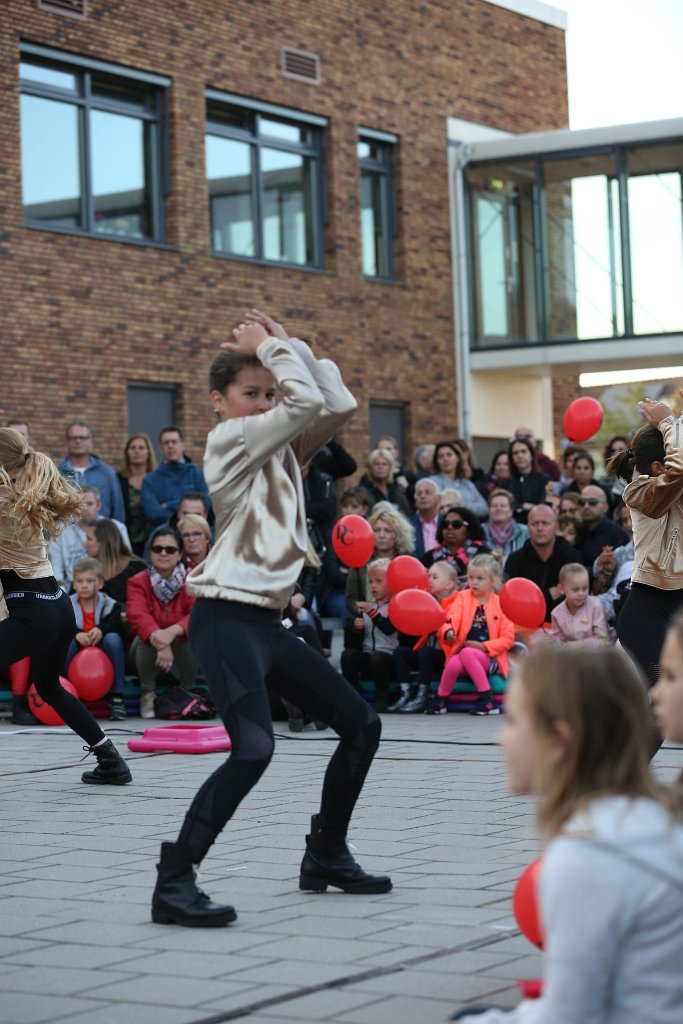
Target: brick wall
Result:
[[83, 317]]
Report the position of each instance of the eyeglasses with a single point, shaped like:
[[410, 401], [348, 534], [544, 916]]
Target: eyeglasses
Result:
[[163, 549], [589, 501], [78, 437], [187, 536], [453, 524]]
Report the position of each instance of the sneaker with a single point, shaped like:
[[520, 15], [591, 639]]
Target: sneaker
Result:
[[436, 706], [117, 710], [399, 704], [417, 704], [485, 705], [147, 704]]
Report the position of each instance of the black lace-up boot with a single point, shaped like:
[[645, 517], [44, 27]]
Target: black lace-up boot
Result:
[[111, 769], [327, 861], [177, 899]]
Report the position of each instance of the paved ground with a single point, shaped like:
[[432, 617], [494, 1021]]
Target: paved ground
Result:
[[77, 944]]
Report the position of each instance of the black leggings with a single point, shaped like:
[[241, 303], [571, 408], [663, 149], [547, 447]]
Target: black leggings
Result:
[[643, 622], [238, 646], [41, 625]]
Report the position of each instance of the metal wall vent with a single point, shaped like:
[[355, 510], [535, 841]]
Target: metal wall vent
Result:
[[72, 8], [300, 65]]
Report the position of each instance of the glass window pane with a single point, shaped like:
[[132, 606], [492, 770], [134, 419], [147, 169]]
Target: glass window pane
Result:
[[492, 265], [374, 238], [229, 170], [583, 273], [363, 150], [50, 156], [47, 76], [656, 240], [119, 158], [120, 90], [288, 232], [282, 130], [230, 117]]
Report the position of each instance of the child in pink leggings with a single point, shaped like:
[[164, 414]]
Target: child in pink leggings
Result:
[[477, 636]]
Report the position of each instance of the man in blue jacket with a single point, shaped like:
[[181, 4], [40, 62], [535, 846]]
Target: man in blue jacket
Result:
[[164, 487], [83, 469]]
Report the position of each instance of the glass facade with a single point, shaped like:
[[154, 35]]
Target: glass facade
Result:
[[90, 150], [265, 187], [577, 246], [377, 205]]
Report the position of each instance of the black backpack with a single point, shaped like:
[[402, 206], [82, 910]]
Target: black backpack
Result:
[[183, 705]]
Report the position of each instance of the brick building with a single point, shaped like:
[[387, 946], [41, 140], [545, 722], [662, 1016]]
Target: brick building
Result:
[[167, 165]]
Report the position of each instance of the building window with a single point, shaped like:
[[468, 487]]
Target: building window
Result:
[[91, 146], [264, 168], [376, 156]]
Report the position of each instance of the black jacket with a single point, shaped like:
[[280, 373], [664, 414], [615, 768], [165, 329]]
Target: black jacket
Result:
[[526, 563]]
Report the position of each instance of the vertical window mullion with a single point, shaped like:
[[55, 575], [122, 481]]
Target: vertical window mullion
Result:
[[86, 162], [259, 203]]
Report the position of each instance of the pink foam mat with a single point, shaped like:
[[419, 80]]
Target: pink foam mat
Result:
[[182, 739]]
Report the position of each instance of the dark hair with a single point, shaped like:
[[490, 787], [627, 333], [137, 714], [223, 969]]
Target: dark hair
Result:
[[166, 531], [532, 451], [193, 496], [454, 449], [358, 494], [571, 450], [494, 460], [226, 367], [171, 430], [647, 446], [569, 520], [467, 449], [588, 457], [474, 530], [608, 447]]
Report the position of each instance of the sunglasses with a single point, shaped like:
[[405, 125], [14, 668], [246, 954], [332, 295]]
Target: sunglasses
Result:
[[453, 524], [589, 501], [163, 549]]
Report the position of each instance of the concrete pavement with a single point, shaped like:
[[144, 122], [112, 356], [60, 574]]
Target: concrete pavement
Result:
[[77, 943]]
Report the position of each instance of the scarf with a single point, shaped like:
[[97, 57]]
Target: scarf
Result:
[[500, 535], [165, 589]]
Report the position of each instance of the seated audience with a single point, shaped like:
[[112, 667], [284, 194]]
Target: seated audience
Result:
[[158, 611], [356, 501], [476, 638], [379, 480], [623, 518], [459, 537], [569, 505], [423, 458], [598, 530], [569, 527], [426, 517], [617, 444], [393, 536], [138, 460], [545, 463], [527, 484], [99, 623], [449, 472], [470, 469], [448, 497], [610, 891], [502, 533], [374, 660], [584, 476], [542, 556], [580, 618], [84, 469], [195, 534], [165, 486], [499, 474], [69, 546], [427, 658], [104, 542], [404, 477]]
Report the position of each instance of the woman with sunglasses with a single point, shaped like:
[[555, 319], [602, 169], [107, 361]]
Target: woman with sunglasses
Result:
[[459, 538], [158, 610]]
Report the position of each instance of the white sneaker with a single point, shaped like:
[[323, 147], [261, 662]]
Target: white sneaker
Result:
[[147, 704]]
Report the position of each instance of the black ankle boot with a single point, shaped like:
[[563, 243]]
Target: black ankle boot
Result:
[[21, 714], [111, 769], [177, 900], [327, 861]]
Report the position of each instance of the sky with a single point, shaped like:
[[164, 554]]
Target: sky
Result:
[[625, 60]]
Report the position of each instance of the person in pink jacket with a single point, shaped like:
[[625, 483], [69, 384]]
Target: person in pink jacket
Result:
[[158, 609], [476, 637], [580, 619]]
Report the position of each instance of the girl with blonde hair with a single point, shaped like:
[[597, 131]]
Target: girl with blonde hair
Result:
[[611, 878], [37, 616]]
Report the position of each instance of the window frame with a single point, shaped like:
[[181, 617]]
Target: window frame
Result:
[[385, 170], [153, 111], [313, 149]]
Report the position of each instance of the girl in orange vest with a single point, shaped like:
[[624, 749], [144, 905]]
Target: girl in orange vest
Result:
[[475, 637]]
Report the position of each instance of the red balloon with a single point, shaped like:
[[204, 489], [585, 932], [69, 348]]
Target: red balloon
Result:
[[45, 713], [523, 602], [582, 419], [525, 904], [405, 573], [353, 541], [415, 612], [92, 673]]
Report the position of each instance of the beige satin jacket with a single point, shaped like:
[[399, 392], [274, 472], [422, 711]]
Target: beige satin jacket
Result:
[[22, 550], [656, 503], [251, 466]]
